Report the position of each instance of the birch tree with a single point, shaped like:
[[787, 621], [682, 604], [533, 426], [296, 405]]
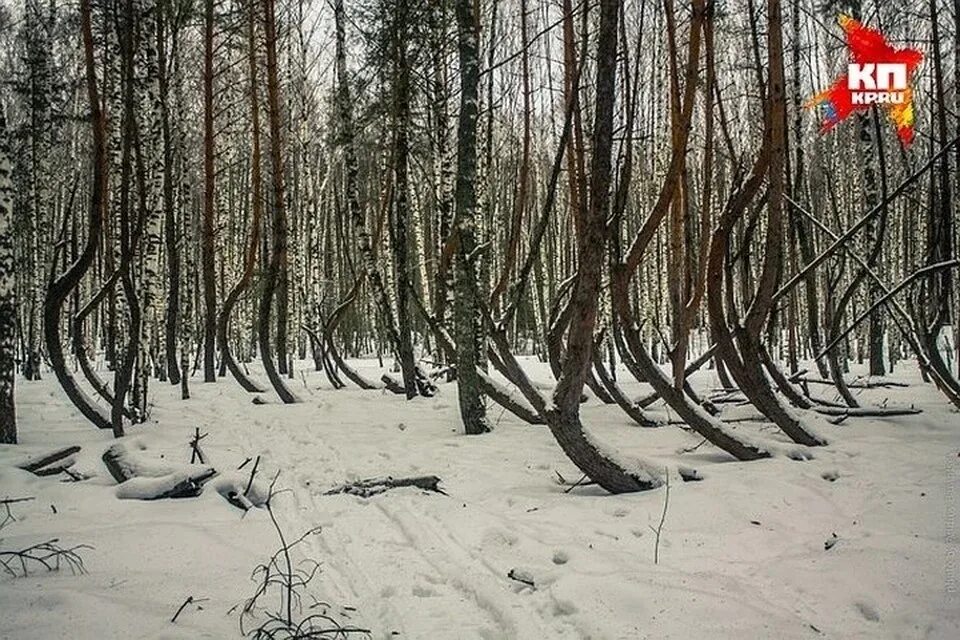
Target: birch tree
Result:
[[8, 307]]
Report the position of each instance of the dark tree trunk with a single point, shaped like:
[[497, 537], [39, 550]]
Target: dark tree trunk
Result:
[[401, 213], [799, 225], [939, 240], [278, 254], [346, 132], [472, 409], [123, 376], [256, 204], [63, 285], [209, 185], [563, 417], [171, 317]]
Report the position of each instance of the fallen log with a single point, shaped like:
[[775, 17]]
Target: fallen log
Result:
[[56, 469], [392, 385], [523, 577], [879, 384], [145, 480], [729, 398], [116, 460], [174, 485], [375, 486], [867, 412], [40, 466], [424, 385]]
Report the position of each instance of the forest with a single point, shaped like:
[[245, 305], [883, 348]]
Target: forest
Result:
[[301, 249]]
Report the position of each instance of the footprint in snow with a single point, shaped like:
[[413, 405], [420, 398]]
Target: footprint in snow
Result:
[[868, 611], [563, 607], [421, 591]]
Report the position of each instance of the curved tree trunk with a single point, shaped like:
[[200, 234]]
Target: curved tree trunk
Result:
[[256, 204], [633, 353], [123, 376], [563, 415], [743, 358], [488, 386], [695, 416], [62, 285], [79, 342], [633, 409], [278, 255], [327, 339], [346, 133]]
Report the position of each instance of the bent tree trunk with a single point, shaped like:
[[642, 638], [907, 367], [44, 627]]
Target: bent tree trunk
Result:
[[563, 416], [633, 353], [694, 415], [62, 285], [488, 386], [253, 245], [364, 237], [742, 357], [327, 340], [79, 341], [278, 254]]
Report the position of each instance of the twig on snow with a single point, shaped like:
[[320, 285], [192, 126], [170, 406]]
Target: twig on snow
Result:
[[9, 517], [50, 555], [190, 600], [663, 516]]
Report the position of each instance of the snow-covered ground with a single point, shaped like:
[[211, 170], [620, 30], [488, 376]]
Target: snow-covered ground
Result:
[[742, 553]]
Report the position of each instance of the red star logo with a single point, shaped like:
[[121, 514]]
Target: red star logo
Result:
[[870, 49]]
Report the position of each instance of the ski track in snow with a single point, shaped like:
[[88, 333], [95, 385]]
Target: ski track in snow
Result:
[[399, 545]]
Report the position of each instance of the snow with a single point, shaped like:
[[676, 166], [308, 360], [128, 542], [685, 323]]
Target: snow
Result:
[[149, 488], [742, 553]]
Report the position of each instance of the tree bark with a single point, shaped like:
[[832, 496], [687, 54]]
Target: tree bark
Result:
[[346, 138], [64, 284], [278, 255], [209, 194], [401, 209], [256, 204], [171, 244], [563, 416], [8, 302], [473, 412]]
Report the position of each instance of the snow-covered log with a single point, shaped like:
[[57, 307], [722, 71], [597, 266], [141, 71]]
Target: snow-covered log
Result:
[[373, 486], [174, 485], [50, 463], [143, 479]]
